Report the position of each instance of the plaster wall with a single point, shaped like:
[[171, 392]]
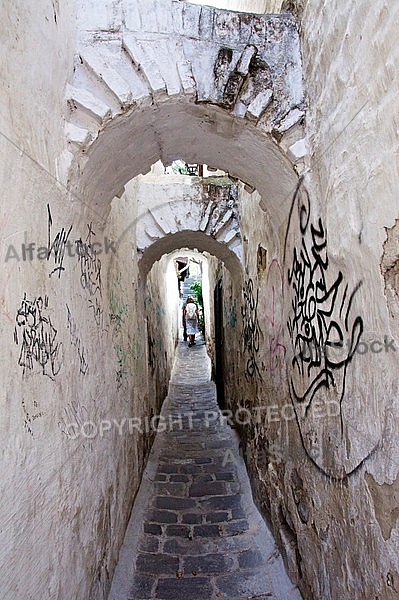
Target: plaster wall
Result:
[[323, 458], [76, 342], [74, 349]]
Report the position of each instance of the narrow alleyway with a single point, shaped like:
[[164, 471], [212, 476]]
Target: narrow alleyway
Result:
[[194, 533]]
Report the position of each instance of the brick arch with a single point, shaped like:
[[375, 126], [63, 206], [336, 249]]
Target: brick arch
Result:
[[214, 86]]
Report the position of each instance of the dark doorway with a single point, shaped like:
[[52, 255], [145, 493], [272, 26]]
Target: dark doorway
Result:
[[219, 343]]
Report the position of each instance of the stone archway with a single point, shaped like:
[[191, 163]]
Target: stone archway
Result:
[[218, 87], [197, 240]]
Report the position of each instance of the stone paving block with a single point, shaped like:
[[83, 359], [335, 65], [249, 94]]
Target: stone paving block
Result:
[[203, 460], [201, 478], [209, 564], [167, 469], [252, 585], [218, 517], [173, 503], [180, 478], [207, 530], [213, 488], [162, 516], [238, 513], [157, 563], [176, 489], [228, 476], [192, 518], [222, 502], [193, 588], [234, 527], [152, 528], [177, 530], [185, 547]]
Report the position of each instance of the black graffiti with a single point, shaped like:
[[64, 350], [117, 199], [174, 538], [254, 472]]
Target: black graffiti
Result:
[[98, 312], [90, 274], [31, 414], [58, 245], [321, 308], [77, 342], [90, 269], [251, 329], [38, 337]]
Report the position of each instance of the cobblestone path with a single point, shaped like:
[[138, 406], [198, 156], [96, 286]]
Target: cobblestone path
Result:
[[194, 533]]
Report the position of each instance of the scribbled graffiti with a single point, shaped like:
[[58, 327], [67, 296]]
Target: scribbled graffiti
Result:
[[320, 320], [97, 310], [251, 329], [31, 414], [57, 246], [76, 342], [118, 314], [274, 296], [90, 265], [322, 324], [37, 336], [90, 274], [118, 308], [123, 358]]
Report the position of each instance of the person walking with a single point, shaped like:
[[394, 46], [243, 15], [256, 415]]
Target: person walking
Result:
[[190, 319]]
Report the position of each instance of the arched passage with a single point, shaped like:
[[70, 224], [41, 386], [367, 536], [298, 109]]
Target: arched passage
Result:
[[195, 240], [215, 86], [202, 134]]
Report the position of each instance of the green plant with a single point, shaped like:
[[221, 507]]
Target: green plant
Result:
[[179, 167]]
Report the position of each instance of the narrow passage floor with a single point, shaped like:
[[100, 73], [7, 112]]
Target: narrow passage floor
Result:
[[194, 533]]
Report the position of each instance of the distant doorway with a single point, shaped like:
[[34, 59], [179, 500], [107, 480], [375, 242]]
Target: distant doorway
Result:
[[219, 344]]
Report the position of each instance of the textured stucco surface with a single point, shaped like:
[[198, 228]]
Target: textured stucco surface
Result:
[[93, 107], [328, 482]]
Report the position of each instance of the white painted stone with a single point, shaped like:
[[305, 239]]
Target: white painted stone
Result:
[[260, 103], [100, 65], [190, 20], [167, 64], [77, 135], [218, 227], [206, 22], [249, 6], [89, 103], [142, 54], [240, 109], [103, 16], [226, 236], [245, 59], [298, 150], [184, 69], [132, 16], [290, 120]]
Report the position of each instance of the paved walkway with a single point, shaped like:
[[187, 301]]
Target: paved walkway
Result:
[[194, 533]]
